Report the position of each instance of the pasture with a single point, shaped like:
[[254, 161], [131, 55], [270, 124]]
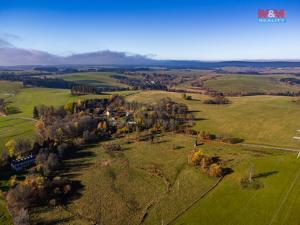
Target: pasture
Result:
[[268, 120], [98, 79], [153, 184], [135, 186], [19, 122], [274, 204], [250, 84], [9, 89]]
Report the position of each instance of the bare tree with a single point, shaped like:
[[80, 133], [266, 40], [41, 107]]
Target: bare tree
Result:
[[22, 217]]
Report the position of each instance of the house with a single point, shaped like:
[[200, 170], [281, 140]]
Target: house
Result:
[[106, 113], [21, 164], [112, 122], [131, 122]]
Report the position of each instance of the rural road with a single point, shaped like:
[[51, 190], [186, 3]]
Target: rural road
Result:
[[270, 147]]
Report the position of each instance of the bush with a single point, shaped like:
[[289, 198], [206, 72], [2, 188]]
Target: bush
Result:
[[186, 97], [253, 183], [215, 170], [207, 136], [122, 130], [112, 147], [196, 157], [205, 163], [219, 100], [232, 140], [36, 190]]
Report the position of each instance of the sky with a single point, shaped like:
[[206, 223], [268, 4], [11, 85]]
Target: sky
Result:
[[161, 29]]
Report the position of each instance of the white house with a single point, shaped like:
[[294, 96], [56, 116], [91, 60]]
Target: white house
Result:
[[106, 113]]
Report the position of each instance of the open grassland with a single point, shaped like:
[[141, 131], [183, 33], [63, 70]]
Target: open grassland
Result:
[[98, 79], [269, 120], [145, 184], [8, 89], [19, 122], [250, 84], [276, 203], [121, 188], [24, 102], [149, 184]]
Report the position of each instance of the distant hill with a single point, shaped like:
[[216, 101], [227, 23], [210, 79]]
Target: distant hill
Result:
[[12, 56]]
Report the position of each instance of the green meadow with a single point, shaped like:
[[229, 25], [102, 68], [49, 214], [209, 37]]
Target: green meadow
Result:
[[268, 120], [8, 89], [19, 122], [98, 79], [250, 84], [276, 203], [153, 183]]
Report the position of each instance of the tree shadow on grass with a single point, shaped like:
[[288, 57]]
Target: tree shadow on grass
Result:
[[13, 110], [55, 221], [195, 100], [126, 149], [265, 174], [160, 141], [76, 161], [200, 119], [178, 147]]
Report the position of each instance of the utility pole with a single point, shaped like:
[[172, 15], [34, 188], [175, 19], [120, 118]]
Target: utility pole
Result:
[[251, 172]]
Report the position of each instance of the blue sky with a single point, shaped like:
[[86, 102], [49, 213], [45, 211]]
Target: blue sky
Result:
[[166, 29]]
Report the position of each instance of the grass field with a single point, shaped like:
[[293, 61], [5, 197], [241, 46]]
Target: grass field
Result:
[[121, 188], [98, 79], [8, 89], [250, 83], [269, 120], [152, 184], [19, 123], [276, 203], [118, 189]]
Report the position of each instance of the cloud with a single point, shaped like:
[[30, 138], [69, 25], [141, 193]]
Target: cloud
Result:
[[10, 37], [107, 57], [7, 38], [11, 56], [4, 43]]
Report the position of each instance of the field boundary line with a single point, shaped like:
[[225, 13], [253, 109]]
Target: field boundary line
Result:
[[196, 201]]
